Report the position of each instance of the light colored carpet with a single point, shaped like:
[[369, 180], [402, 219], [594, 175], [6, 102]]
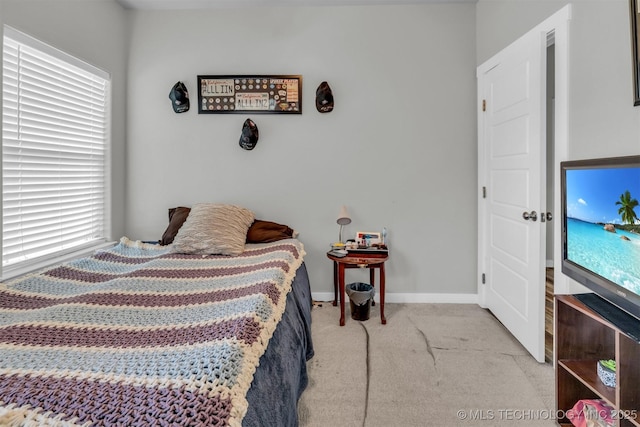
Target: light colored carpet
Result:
[[430, 365]]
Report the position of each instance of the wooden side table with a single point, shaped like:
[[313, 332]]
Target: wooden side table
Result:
[[371, 261]]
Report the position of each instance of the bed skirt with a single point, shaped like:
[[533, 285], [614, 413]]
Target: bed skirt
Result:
[[282, 375]]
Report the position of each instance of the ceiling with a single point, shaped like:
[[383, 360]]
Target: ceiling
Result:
[[212, 4]]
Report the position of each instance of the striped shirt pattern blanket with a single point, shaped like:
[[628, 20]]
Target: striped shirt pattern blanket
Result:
[[137, 335]]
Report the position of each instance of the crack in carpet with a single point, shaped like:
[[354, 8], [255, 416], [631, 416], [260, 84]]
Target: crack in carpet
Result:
[[429, 348], [366, 398]]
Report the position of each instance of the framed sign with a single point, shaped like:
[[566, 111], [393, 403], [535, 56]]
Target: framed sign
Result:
[[250, 94], [634, 9]]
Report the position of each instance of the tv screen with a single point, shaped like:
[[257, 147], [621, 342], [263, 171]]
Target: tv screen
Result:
[[601, 227]]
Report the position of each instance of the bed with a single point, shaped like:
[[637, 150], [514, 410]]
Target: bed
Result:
[[139, 334]]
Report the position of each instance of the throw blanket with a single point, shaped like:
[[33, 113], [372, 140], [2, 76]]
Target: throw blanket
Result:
[[136, 335]]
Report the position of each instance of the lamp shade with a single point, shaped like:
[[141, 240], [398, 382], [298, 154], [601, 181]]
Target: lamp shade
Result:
[[343, 217]]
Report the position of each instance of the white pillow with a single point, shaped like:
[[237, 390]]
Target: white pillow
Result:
[[212, 229]]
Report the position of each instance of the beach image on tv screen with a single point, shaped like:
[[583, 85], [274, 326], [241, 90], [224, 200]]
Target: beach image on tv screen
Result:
[[603, 223]]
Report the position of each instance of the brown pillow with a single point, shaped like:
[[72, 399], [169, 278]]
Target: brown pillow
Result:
[[267, 231], [177, 217]]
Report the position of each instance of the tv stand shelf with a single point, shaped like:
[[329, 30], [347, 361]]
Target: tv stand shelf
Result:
[[582, 337], [585, 371]]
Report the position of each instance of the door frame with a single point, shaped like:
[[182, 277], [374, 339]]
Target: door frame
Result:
[[557, 29]]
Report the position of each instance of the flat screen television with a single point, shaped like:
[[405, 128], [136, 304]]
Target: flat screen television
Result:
[[601, 228]]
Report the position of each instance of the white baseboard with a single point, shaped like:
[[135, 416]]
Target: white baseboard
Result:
[[406, 298]]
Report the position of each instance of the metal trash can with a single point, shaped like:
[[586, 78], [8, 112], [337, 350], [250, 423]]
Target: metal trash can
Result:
[[360, 298]]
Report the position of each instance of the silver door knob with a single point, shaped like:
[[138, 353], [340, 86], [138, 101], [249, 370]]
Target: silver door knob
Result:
[[533, 215]]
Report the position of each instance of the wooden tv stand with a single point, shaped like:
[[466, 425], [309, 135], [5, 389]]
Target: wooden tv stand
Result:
[[582, 337]]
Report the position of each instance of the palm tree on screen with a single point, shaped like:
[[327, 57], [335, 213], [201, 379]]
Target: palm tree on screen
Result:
[[627, 205]]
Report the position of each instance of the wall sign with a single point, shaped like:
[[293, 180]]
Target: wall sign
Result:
[[250, 93]]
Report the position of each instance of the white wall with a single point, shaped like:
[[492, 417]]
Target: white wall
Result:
[[96, 32], [602, 119], [399, 149]]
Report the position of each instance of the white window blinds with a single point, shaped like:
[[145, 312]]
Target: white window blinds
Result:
[[54, 152]]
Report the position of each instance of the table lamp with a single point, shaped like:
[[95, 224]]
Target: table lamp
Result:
[[343, 219]]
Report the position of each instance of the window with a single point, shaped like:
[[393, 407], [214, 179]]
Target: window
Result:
[[54, 153]]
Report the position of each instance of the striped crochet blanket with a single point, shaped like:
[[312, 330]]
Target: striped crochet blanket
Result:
[[136, 335]]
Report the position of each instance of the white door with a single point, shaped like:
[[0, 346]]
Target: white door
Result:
[[511, 174]]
